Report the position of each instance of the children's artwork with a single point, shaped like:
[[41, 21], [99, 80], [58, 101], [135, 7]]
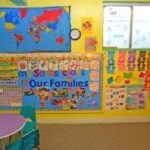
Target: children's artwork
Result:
[[141, 61], [87, 25], [35, 29], [52, 81], [115, 98], [135, 97], [127, 82], [90, 43], [111, 62], [10, 95], [121, 61], [131, 60]]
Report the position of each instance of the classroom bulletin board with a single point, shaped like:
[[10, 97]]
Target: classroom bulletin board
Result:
[[66, 77], [127, 84], [51, 81]]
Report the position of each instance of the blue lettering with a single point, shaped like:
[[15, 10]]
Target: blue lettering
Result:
[[42, 73], [80, 84], [57, 84], [51, 82], [22, 74], [86, 83], [32, 83], [36, 72]]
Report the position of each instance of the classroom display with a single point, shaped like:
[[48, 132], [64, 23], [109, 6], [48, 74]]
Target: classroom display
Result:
[[35, 29], [51, 81], [127, 82]]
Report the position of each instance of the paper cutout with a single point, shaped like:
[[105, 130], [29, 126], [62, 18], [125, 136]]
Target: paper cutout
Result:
[[141, 61], [110, 80], [22, 66], [147, 81], [121, 61], [126, 81], [118, 79], [87, 25], [141, 75], [110, 62], [131, 60], [127, 75], [148, 61]]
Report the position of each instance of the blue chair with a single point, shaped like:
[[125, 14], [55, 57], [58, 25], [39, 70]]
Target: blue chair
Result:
[[29, 114], [28, 141]]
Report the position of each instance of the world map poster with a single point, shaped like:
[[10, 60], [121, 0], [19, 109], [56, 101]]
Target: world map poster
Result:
[[35, 29]]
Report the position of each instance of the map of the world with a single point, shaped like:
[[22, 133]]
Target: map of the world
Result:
[[35, 29]]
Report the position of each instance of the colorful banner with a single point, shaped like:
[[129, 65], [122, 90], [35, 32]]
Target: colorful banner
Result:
[[35, 29]]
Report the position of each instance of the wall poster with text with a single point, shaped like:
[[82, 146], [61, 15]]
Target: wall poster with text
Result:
[[51, 81]]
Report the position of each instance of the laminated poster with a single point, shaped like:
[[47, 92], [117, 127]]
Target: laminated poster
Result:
[[35, 29]]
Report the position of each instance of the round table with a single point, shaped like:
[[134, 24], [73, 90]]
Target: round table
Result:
[[10, 124]]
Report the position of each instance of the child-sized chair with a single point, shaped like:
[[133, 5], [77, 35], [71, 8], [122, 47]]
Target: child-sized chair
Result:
[[30, 116], [28, 141]]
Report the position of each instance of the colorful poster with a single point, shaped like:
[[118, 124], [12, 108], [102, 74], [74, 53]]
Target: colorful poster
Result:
[[116, 98], [10, 96], [35, 29], [58, 82], [90, 44], [8, 71], [127, 80], [135, 97]]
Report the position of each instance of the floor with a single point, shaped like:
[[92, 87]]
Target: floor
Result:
[[116, 136], [122, 136]]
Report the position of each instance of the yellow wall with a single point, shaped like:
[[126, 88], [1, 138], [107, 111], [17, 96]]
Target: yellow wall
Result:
[[81, 9]]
